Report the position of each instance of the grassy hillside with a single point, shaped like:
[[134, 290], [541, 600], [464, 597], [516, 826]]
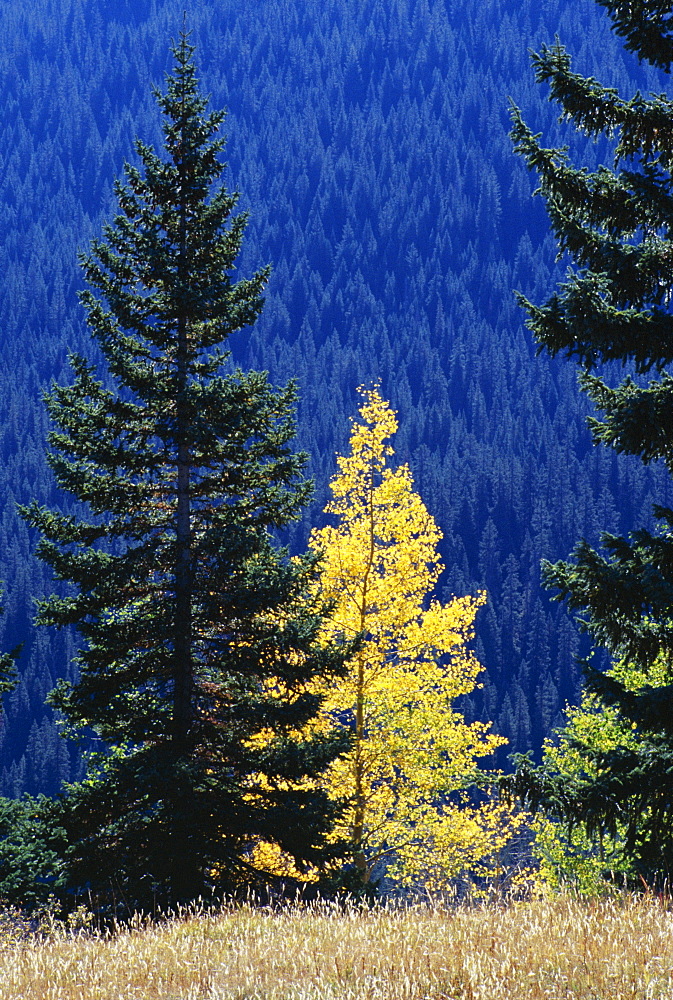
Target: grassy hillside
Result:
[[558, 948]]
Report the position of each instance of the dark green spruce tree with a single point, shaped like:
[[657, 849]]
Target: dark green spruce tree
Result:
[[616, 226], [200, 635]]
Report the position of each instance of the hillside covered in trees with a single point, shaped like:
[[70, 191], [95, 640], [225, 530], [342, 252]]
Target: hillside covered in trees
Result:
[[370, 145]]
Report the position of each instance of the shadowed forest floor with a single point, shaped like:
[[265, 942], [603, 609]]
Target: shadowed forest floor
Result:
[[559, 948]]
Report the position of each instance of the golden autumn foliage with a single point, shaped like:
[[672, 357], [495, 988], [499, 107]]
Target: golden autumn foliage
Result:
[[413, 754]]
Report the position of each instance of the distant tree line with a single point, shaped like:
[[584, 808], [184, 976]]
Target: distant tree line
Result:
[[370, 143]]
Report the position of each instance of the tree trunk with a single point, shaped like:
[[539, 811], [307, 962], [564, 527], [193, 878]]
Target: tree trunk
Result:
[[186, 879]]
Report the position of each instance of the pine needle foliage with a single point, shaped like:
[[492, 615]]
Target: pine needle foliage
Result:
[[616, 225], [186, 468]]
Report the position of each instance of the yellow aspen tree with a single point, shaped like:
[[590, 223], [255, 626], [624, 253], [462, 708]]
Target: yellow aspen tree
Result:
[[412, 754]]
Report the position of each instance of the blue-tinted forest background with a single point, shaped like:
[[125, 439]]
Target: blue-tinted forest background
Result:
[[368, 140]]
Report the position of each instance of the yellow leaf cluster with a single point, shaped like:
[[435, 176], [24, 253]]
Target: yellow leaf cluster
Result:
[[267, 856], [439, 840]]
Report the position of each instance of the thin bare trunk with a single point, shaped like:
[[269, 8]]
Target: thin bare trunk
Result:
[[360, 798]]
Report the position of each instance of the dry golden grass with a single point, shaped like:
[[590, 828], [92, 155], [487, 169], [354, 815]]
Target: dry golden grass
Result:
[[560, 948]]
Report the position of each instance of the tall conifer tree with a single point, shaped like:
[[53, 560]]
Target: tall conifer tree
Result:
[[616, 224], [200, 635]]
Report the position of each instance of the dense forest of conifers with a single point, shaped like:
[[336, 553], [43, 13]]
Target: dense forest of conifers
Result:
[[369, 142]]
